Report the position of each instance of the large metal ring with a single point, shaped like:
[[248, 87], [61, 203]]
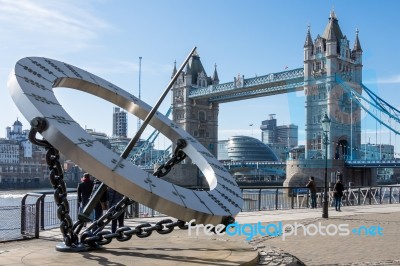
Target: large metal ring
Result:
[[31, 85]]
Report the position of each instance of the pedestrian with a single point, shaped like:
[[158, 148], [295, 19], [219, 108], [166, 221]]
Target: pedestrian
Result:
[[114, 197], [338, 193], [102, 204], [85, 188], [313, 192]]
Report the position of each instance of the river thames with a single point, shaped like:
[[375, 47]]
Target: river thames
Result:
[[10, 210]]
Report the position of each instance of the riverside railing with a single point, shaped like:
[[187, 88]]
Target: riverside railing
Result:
[[280, 198], [40, 214], [30, 215]]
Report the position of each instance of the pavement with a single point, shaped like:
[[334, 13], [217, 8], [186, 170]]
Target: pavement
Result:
[[373, 236], [358, 235]]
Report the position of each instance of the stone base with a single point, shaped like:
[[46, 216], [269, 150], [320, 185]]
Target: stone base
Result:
[[299, 171]]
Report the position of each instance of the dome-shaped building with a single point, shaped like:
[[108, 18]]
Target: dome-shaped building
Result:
[[244, 148], [17, 127], [17, 123], [16, 132], [243, 157]]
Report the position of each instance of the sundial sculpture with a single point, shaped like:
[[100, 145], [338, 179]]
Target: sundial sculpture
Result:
[[31, 85]]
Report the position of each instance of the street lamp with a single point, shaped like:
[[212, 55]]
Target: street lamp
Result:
[[326, 124]]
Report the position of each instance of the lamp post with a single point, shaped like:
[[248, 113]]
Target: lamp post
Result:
[[326, 124]]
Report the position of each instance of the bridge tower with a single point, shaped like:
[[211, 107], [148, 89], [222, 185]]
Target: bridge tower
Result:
[[331, 69], [197, 117], [330, 64]]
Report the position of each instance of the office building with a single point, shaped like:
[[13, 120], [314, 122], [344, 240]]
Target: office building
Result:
[[120, 124], [279, 138]]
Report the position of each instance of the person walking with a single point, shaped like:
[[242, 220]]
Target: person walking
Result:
[[338, 194], [114, 197], [84, 189], [313, 192]]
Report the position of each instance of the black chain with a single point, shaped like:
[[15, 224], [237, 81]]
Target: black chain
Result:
[[176, 158], [95, 234], [56, 178]]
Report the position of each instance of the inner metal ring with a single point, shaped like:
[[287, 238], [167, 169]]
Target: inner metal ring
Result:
[[31, 86]]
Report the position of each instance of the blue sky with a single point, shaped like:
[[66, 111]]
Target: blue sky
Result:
[[242, 37]]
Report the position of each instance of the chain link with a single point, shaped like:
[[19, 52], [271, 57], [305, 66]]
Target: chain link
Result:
[[144, 230], [56, 178], [95, 234], [176, 158]]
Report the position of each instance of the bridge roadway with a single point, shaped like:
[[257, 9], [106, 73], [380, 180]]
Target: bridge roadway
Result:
[[279, 168], [385, 163], [240, 89], [178, 248]]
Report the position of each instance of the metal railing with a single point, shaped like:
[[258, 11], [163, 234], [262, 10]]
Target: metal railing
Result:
[[30, 215], [42, 214], [10, 217], [39, 214], [280, 198]]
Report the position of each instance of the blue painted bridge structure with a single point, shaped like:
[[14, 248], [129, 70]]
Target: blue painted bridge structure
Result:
[[241, 89], [287, 82], [331, 79], [291, 81]]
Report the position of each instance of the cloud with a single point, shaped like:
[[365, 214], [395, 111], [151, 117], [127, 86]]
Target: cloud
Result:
[[386, 80], [67, 26]]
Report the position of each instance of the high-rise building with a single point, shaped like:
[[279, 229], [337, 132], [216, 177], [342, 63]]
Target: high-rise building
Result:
[[284, 134], [279, 138], [268, 130], [120, 124], [288, 135]]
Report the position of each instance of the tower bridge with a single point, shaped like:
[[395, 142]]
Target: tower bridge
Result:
[[242, 89], [331, 78]]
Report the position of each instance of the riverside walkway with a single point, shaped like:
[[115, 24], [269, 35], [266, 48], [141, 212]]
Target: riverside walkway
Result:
[[372, 239]]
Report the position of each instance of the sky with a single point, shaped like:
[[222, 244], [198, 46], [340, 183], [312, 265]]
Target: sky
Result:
[[249, 38]]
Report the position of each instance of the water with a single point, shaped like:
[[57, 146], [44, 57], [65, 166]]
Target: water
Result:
[[13, 197], [10, 211]]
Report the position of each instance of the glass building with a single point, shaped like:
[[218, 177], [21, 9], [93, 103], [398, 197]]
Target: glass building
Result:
[[244, 148]]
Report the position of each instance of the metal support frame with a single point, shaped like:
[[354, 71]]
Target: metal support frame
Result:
[[93, 201], [31, 86]]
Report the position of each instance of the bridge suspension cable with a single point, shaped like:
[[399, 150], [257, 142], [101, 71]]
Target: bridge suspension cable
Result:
[[148, 144], [377, 103]]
